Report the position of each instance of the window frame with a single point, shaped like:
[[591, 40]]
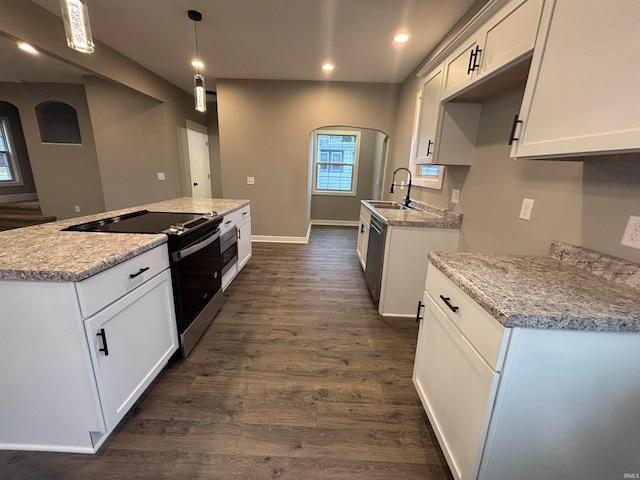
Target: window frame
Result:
[[14, 166], [331, 164]]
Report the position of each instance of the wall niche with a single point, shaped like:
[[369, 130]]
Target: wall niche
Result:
[[58, 123]]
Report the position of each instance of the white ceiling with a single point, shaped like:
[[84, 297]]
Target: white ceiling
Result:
[[273, 39]]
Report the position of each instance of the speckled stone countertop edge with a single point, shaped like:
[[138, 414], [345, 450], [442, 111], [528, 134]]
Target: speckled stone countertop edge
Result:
[[424, 216], [586, 304], [476, 294], [28, 255]]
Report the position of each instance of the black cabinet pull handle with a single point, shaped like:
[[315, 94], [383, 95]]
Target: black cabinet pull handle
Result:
[[476, 63], [472, 61], [195, 184], [104, 348], [447, 300], [362, 228], [512, 137], [238, 235], [140, 272], [418, 317], [227, 222], [244, 213], [429, 145]]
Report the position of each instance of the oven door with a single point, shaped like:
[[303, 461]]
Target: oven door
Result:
[[197, 280]]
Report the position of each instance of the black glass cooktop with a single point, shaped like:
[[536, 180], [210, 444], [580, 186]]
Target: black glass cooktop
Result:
[[142, 221]]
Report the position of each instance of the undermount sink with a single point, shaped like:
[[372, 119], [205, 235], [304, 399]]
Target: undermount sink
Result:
[[387, 204]]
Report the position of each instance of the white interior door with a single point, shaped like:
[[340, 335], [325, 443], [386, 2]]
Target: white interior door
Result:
[[199, 162]]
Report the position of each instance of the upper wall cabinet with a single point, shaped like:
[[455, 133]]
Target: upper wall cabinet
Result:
[[581, 96], [428, 113], [506, 38]]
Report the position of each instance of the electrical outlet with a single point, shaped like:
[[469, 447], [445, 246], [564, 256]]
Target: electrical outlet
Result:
[[160, 175], [251, 180], [527, 206], [631, 236], [455, 195], [77, 208]]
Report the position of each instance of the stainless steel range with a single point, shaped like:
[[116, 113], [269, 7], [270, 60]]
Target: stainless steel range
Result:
[[195, 260]]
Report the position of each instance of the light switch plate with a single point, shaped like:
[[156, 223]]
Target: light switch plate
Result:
[[455, 195], [251, 180], [527, 206], [160, 175], [77, 208], [631, 236]]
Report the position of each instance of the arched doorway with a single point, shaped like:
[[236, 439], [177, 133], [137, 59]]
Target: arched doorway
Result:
[[346, 165]]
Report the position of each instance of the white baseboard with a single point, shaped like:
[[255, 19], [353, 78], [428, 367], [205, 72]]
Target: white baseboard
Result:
[[336, 223], [278, 239], [18, 197]]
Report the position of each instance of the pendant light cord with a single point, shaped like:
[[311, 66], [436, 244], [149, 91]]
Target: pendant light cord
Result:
[[195, 30]]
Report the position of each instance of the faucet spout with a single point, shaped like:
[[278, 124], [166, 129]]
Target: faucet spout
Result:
[[407, 200]]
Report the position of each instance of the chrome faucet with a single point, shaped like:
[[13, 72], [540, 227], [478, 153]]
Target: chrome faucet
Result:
[[407, 200]]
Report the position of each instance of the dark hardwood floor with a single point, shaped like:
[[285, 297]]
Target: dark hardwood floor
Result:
[[297, 378]]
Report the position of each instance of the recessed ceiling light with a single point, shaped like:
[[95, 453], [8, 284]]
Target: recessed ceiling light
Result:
[[197, 64], [401, 38], [327, 67], [27, 48]]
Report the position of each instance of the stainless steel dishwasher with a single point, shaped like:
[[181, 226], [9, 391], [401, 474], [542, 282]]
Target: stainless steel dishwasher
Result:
[[375, 258]]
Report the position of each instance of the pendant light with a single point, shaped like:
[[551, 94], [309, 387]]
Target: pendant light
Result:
[[75, 17], [199, 90]]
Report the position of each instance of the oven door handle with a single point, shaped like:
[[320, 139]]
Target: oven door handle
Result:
[[180, 254]]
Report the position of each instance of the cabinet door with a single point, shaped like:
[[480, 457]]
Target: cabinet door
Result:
[[430, 113], [457, 389], [244, 242], [130, 342], [510, 37], [581, 97], [363, 240], [461, 67]]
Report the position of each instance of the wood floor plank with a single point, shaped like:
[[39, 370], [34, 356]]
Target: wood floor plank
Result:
[[298, 377]]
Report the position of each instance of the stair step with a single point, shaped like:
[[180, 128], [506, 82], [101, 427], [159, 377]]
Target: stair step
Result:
[[25, 208], [11, 221]]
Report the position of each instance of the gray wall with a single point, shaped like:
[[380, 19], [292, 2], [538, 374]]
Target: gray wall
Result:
[[64, 175], [585, 203], [264, 132], [344, 207]]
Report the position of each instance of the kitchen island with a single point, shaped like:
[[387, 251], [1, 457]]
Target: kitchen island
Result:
[[527, 365], [44, 252], [88, 322]]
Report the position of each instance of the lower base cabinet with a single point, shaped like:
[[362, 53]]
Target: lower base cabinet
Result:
[[525, 403], [76, 356], [130, 342]]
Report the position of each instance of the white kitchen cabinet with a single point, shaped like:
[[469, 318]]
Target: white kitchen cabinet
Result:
[[581, 95], [363, 235], [244, 242], [404, 267], [526, 403], [504, 39], [428, 115], [130, 342], [65, 395], [456, 371]]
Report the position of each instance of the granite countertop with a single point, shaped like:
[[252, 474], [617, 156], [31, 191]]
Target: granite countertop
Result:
[[44, 252], [421, 215], [571, 289]]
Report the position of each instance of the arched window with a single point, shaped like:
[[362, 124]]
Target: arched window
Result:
[[58, 123]]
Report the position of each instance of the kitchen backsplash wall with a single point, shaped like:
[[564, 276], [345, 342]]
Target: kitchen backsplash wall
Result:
[[585, 203]]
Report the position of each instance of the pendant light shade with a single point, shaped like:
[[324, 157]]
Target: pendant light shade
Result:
[[199, 93], [76, 25], [199, 90]]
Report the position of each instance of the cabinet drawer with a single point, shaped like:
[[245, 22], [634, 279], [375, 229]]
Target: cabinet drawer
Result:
[[487, 336], [106, 287], [232, 219]]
